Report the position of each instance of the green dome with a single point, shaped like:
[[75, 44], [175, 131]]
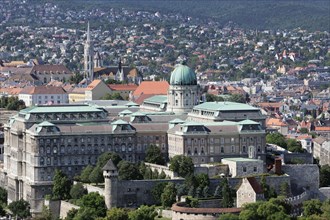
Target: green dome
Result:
[[183, 75]]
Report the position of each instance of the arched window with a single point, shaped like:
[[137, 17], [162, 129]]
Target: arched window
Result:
[[42, 161], [244, 149], [41, 150]]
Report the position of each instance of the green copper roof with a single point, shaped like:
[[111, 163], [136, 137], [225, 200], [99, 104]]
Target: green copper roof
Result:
[[224, 106], [61, 109], [157, 99], [183, 75]]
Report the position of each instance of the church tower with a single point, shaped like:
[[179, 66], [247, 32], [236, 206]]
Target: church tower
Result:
[[120, 76], [98, 62], [110, 174], [183, 92], [88, 57]]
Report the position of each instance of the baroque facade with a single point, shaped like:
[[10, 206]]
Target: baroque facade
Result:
[[40, 139]]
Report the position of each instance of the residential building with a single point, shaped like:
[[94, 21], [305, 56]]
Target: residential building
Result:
[[43, 95], [242, 167], [249, 191]]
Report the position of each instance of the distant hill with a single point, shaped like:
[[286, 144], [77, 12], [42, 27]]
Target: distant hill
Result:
[[261, 14]]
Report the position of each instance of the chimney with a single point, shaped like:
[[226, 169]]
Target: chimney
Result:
[[278, 166]]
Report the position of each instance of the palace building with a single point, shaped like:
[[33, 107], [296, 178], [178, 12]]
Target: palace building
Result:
[[40, 139]]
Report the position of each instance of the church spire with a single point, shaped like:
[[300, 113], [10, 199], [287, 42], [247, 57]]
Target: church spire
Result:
[[88, 33], [89, 56]]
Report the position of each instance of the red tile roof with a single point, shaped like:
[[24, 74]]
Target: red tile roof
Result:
[[152, 87], [255, 185], [123, 87], [322, 129], [93, 84]]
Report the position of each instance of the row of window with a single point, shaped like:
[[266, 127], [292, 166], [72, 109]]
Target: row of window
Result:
[[96, 149], [201, 151], [101, 139]]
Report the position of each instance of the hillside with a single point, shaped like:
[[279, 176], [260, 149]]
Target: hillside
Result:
[[271, 14]]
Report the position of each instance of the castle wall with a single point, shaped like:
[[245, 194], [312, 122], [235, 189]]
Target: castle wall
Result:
[[306, 158], [303, 176]]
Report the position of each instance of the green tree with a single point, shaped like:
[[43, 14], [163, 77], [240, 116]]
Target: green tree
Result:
[[113, 96], [325, 176], [294, 146], [129, 171], [2, 211], [181, 190], [77, 191], [71, 214], [157, 191], [154, 155], [143, 212], [117, 214], [85, 173], [227, 197], [182, 165], [191, 191], [303, 130], [312, 207], [274, 209], [269, 192], [217, 192], [96, 175], [106, 156], [203, 180], [3, 196], [237, 98], [46, 214], [61, 186], [284, 189], [213, 98], [277, 139], [229, 216], [93, 204], [20, 208], [76, 78], [162, 175], [168, 197], [206, 191]]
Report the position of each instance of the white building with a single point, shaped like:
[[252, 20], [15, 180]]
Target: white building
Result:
[[41, 95]]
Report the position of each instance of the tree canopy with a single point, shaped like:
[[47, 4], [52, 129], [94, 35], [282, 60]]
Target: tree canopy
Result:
[[61, 186], [143, 212], [20, 208], [182, 165], [154, 155], [277, 139], [169, 195], [129, 171], [325, 175], [93, 205], [77, 191], [269, 210], [117, 214], [12, 103]]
